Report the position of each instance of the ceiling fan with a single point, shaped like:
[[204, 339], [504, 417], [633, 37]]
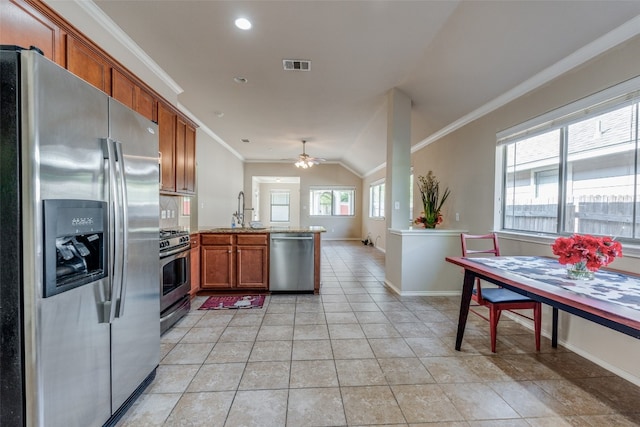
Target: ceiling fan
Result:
[[305, 161]]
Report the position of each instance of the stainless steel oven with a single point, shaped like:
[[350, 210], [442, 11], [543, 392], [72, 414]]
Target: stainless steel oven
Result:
[[175, 277]]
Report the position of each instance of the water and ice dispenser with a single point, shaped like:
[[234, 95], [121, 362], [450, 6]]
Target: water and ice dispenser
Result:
[[75, 244]]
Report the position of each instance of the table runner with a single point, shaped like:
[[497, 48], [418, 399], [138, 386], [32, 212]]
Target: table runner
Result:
[[606, 286]]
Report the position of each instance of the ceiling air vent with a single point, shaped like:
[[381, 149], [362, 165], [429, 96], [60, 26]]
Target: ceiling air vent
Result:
[[296, 64]]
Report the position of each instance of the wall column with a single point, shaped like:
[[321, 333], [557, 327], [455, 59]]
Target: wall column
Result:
[[396, 209]]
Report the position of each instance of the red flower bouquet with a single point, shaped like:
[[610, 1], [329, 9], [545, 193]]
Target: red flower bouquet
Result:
[[585, 252]]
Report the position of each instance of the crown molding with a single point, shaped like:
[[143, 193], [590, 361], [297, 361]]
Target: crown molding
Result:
[[328, 162], [209, 132], [91, 9], [613, 38], [619, 35]]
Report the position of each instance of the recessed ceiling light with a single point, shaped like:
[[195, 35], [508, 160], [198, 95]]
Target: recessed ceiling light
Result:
[[239, 80], [219, 114], [243, 23]]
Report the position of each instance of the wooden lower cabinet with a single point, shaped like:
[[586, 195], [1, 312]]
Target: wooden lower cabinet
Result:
[[234, 261], [195, 264], [252, 267], [217, 267]]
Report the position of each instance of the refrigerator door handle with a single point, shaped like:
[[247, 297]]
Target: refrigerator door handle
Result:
[[115, 269], [124, 240]]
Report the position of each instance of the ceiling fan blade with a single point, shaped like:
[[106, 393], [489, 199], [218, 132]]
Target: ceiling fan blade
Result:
[[304, 157]]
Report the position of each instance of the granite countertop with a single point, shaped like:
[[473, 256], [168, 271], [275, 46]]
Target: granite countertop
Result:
[[247, 230]]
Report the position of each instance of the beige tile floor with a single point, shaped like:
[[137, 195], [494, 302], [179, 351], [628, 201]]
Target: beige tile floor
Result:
[[359, 355]]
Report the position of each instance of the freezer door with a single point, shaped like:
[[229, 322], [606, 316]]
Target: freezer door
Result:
[[67, 350], [135, 330]]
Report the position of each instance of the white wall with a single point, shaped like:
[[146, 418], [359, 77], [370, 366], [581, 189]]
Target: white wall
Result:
[[325, 174], [220, 179]]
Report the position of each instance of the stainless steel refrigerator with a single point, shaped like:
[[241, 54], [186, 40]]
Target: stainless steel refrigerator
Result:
[[79, 269]]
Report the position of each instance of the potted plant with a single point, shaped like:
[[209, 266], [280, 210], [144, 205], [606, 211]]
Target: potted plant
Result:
[[431, 201]]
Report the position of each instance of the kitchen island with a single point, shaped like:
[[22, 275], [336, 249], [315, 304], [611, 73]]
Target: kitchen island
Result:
[[237, 259]]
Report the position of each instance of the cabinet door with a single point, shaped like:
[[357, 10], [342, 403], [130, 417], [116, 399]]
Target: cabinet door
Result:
[[190, 160], [123, 89], [167, 131], [88, 64], [22, 25], [195, 270], [216, 267], [146, 104], [185, 157], [181, 134], [252, 267]]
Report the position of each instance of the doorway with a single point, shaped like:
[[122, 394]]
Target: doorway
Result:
[[276, 201]]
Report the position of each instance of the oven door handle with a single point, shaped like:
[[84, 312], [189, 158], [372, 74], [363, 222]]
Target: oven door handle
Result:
[[176, 250]]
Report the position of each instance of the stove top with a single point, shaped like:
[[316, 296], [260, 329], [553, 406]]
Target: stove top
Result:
[[173, 239], [165, 234]]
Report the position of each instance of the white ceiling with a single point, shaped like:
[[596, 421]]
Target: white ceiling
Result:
[[449, 57]]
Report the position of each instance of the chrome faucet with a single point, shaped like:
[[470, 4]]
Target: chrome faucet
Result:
[[240, 212]]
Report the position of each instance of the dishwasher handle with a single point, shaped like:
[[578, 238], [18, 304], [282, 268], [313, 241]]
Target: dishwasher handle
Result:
[[292, 238]]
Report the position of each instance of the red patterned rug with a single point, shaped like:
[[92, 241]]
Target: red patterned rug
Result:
[[231, 302]]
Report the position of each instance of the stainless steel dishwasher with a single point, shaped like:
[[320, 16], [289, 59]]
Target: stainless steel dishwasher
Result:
[[291, 266]]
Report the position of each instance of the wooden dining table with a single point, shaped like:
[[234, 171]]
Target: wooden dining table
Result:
[[611, 299]]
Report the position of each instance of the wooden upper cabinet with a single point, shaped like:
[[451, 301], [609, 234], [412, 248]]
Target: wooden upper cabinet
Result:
[[167, 143], [185, 157], [32, 23], [123, 89], [146, 104], [190, 160], [133, 96], [88, 64], [181, 133], [23, 25]]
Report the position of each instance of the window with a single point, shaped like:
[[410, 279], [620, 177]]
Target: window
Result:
[[576, 169], [376, 200], [332, 201], [279, 206]]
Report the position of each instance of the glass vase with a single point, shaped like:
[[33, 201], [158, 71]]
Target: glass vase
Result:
[[579, 271]]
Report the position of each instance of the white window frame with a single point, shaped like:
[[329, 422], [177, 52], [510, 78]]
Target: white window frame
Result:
[[379, 188], [332, 190], [271, 205], [584, 109]]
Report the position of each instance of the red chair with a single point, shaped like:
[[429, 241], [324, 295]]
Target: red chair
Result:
[[498, 299]]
